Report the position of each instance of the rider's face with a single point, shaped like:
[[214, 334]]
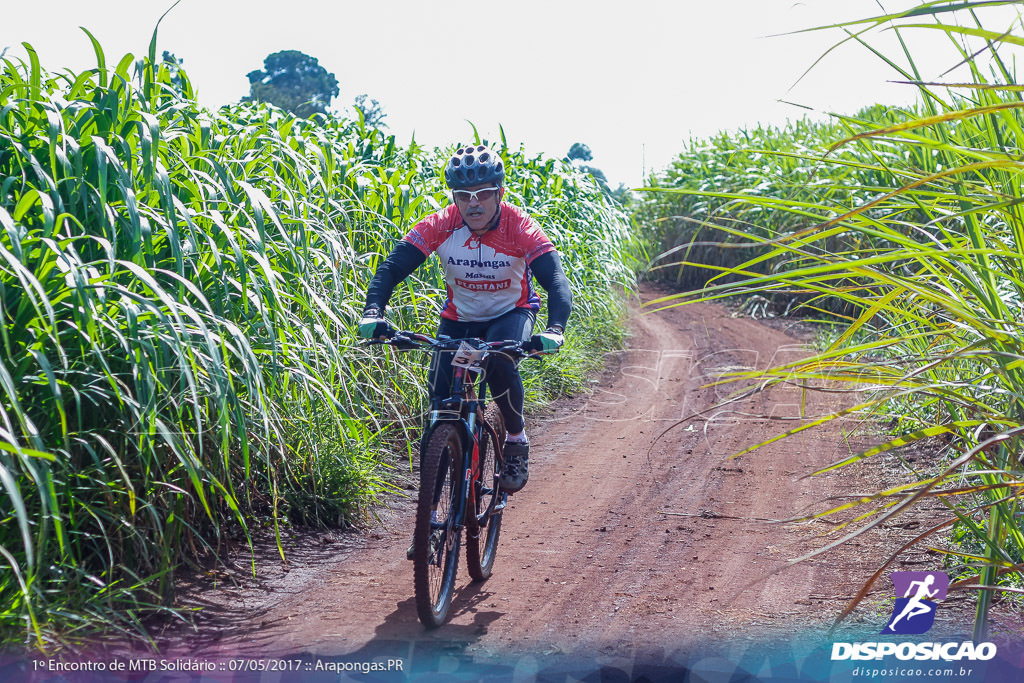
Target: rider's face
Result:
[[478, 211]]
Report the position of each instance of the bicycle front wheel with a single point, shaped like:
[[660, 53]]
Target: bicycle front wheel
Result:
[[436, 539]]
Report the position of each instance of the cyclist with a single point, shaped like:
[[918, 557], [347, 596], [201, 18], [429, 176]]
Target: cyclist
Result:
[[490, 252]]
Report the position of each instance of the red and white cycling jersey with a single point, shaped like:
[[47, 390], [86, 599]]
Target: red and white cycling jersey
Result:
[[489, 276]]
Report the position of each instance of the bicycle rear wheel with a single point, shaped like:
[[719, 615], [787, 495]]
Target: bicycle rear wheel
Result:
[[436, 541], [483, 525]]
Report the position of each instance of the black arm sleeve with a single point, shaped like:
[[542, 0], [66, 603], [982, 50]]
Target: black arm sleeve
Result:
[[402, 260], [547, 268]]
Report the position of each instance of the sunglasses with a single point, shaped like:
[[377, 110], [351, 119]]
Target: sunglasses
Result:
[[465, 196]]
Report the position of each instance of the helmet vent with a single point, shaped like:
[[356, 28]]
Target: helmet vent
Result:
[[474, 165]]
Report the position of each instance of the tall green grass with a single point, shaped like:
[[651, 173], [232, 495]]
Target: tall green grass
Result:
[[602, 250], [767, 181], [915, 223], [178, 289]]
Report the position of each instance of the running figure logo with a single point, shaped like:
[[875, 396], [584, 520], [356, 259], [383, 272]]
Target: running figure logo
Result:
[[914, 612]]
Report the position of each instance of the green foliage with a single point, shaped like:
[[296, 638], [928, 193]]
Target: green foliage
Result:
[[912, 219], [178, 289], [707, 201], [601, 256], [293, 81], [165, 272]]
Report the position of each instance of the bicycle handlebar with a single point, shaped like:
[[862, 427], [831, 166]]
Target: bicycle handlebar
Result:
[[407, 340]]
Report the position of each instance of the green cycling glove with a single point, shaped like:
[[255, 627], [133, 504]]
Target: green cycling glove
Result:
[[548, 341], [372, 325]]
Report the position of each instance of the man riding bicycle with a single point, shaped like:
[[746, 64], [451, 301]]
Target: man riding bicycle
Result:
[[490, 251]]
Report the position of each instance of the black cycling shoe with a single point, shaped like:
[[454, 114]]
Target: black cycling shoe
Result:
[[435, 542], [516, 472]]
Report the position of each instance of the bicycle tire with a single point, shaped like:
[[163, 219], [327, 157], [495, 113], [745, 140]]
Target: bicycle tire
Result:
[[483, 525], [436, 543], [496, 419]]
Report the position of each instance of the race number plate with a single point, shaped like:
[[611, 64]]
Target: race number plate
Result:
[[468, 357]]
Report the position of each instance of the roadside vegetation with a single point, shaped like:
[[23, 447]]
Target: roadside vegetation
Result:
[[178, 291], [906, 224]]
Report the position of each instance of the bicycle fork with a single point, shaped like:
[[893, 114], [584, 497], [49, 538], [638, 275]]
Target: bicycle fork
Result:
[[462, 501]]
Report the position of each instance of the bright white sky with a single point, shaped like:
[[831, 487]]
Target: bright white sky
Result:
[[633, 80]]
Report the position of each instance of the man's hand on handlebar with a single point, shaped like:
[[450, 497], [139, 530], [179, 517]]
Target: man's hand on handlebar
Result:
[[548, 341], [376, 330], [373, 325]]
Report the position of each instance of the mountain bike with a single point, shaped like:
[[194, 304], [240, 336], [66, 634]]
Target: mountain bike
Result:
[[460, 462]]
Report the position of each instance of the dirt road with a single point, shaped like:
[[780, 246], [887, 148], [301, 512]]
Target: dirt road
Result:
[[615, 547]]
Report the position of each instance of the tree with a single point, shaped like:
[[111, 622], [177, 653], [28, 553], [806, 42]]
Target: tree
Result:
[[579, 151], [293, 81], [174, 69], [372, 113], [596, 172], [578, 155]]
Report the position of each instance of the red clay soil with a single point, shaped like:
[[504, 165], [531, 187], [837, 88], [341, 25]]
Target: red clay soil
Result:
[[622, 542]]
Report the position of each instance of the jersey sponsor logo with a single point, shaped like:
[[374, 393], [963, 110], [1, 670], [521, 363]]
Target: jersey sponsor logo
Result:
[[483, 286], [474, 263]]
